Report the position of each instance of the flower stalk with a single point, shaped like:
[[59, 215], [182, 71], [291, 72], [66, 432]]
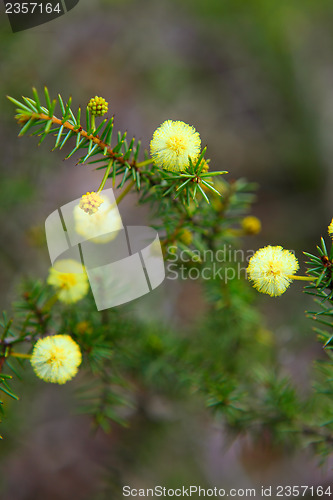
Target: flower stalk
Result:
[[20, 355], [301, 278]]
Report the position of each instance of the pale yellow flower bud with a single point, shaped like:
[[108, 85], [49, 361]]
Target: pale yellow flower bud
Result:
[[90, 202]]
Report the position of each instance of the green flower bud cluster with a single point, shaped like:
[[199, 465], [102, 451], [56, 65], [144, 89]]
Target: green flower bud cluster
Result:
[[98, 106]]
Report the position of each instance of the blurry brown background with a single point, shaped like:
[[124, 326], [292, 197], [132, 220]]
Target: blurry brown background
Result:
[[256, 80]]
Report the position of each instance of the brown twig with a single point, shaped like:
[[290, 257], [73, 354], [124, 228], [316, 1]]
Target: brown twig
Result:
[[83, 133]]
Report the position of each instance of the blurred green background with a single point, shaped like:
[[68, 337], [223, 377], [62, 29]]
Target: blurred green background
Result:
[[256, 80]]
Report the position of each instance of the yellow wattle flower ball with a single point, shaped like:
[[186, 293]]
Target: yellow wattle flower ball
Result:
[[69, 279], [172, 145], [251, 225], [330, 229], [83, 327], [186, 237], [90, 202], [271, 270], [56, 358]]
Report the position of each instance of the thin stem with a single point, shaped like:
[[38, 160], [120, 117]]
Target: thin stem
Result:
[[302, 278], [146, 162], [20, 355], [94, 138], [92, 122], [236, 232], [50, 303], [105, 148], [124, 193], [106, 175]]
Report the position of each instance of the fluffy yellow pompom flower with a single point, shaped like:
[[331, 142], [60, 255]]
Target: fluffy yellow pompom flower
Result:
[[330, 229], [271, 270], [172, 145], [70, 281], [90, 202], [56, 358]]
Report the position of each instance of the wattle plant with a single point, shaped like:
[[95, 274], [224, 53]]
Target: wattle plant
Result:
[[229, 357]]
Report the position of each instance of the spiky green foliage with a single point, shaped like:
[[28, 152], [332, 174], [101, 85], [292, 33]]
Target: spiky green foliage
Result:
[[320, 267], [117, 155], [229, 358]]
